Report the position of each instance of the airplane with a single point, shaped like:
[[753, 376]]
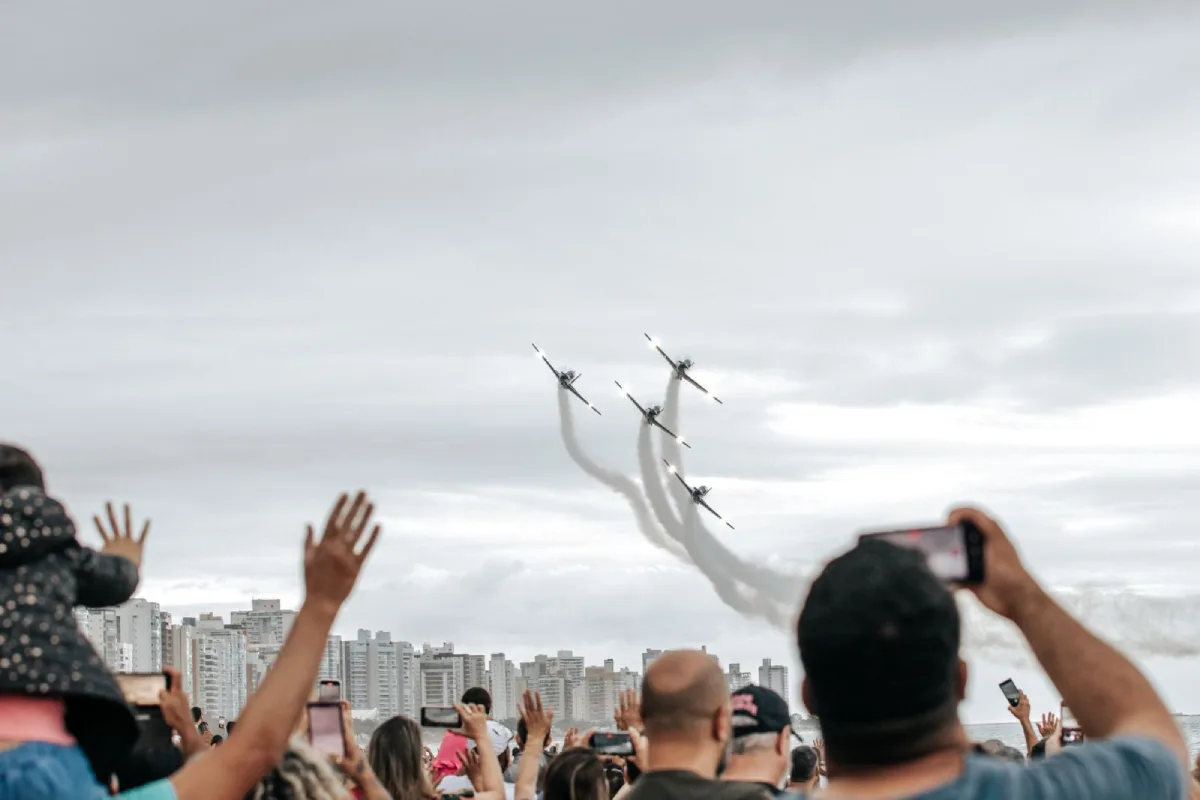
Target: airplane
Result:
[[681, 367], [698, 494], [566, 379], [651, 415]]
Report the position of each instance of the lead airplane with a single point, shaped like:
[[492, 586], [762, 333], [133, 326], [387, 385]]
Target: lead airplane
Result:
[[680, 367], [698, 494], [651, 416], [566, 379]]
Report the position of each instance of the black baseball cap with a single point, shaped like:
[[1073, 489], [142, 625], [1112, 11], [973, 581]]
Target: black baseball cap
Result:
[[757, 709]]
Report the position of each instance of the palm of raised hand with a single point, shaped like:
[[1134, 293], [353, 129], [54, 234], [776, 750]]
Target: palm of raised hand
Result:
[[120, 540], [1048, 725]]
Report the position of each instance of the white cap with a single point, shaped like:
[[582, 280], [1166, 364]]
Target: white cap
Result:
[[500, 736]]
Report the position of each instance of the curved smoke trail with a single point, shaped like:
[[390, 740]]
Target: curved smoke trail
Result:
[[780, 587], [619, 483]]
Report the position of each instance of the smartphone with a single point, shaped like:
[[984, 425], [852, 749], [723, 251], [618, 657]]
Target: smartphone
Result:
[[611, 744], [954, 552], [329, 691], [142, 688], [440, 717], [1071, 732], [326, 728], [1011, 692]]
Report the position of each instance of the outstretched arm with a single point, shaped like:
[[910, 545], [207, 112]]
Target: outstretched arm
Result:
[[104, 580]]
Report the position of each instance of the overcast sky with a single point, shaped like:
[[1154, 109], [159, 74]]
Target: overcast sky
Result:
[[926, 252]]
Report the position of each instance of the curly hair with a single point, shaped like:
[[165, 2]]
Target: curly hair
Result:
[[302, 774]]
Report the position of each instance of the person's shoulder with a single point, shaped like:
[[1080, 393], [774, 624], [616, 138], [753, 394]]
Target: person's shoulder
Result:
[[159, 790], [1123, 767]]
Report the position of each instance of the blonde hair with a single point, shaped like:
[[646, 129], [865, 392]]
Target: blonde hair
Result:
[[302, 774]]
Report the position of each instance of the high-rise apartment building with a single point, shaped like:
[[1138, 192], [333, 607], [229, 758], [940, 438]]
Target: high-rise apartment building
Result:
[[100, 627], [183, 654], [774, 677], [648, 658], [139, 624], [409, 678], [441, 680], [601, 693], [566, 662], [735, 678], [164, 636], [502, 684], [374, 672], [383, 671], [265, 623], [331, 661], [221, 673], [553, 689]]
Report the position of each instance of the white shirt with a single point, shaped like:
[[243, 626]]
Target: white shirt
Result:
[[453, 784]]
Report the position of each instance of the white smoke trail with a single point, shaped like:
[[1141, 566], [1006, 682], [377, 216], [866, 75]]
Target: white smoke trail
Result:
[[752, 603], [781, 587], [619, 483]]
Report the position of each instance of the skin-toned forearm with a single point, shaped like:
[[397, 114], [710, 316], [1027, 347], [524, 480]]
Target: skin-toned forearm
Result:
[[490, 774], [1105, 691], [527, 770], [1031, 735]]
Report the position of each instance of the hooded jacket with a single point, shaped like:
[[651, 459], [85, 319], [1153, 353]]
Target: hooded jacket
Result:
[[44, 574]]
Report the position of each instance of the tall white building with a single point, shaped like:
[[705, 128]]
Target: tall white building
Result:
[[569, 664], [373, 671], [183, 655], [100, 627], [139, 625], [265, 623], [648, 658], [775, 678], [441, 680], [410, 677], [221, 674], [735, 679], [331, 661], [502, 685]]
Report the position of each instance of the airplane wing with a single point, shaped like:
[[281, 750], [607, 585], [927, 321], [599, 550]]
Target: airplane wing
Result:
[[675, 472], [575, 392], [671, 433], [542, 356], [625, 392], [692, 381], [654, 344], [715, 514]]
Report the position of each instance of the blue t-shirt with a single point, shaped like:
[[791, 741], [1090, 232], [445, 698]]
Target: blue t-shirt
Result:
[[1125, 768], [159, 790]]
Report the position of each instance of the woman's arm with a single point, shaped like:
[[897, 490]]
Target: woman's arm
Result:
[[331, 568], [538, 722]]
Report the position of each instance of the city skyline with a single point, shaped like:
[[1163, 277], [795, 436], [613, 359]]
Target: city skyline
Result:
[[221, 664]]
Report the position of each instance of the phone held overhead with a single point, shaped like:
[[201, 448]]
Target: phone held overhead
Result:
[[1011, 692], [440, 717], [142, 691], [954, 552], [327, 728], [611, 744]]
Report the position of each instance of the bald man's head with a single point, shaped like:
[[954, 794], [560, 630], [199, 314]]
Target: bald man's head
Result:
[[683, 692]]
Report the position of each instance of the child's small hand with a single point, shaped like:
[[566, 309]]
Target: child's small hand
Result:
[[121, 542]]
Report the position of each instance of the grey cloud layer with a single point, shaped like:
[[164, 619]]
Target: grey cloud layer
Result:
[[248, 260]]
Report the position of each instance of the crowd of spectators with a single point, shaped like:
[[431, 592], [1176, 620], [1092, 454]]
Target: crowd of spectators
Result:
[[878, 635]]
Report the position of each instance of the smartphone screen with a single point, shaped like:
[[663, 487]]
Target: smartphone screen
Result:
[[325, 728], [141, 689], [329, 691], [1011, 692], [612, 744], [954, 553], [440, 717]]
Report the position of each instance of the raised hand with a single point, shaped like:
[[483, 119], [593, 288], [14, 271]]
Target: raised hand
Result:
[[629, 711], [120, 541], [1021, 710], [574, 740], [1048, 725], [333, 562], [538, 720], [474, 724]]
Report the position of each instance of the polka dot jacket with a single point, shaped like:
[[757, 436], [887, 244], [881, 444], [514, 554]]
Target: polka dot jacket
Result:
[[44, 574]]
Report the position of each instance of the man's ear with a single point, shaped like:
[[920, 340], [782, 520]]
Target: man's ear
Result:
[[723, 723], [785, 739]]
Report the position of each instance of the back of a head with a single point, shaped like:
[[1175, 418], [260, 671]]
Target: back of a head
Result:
[[576, 774], [681, 693], [998, 749], [478, 696], [147, 764], [197, 714], [17, 468], [879, 637], [302, 774], [396, 757], [804, 764]]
